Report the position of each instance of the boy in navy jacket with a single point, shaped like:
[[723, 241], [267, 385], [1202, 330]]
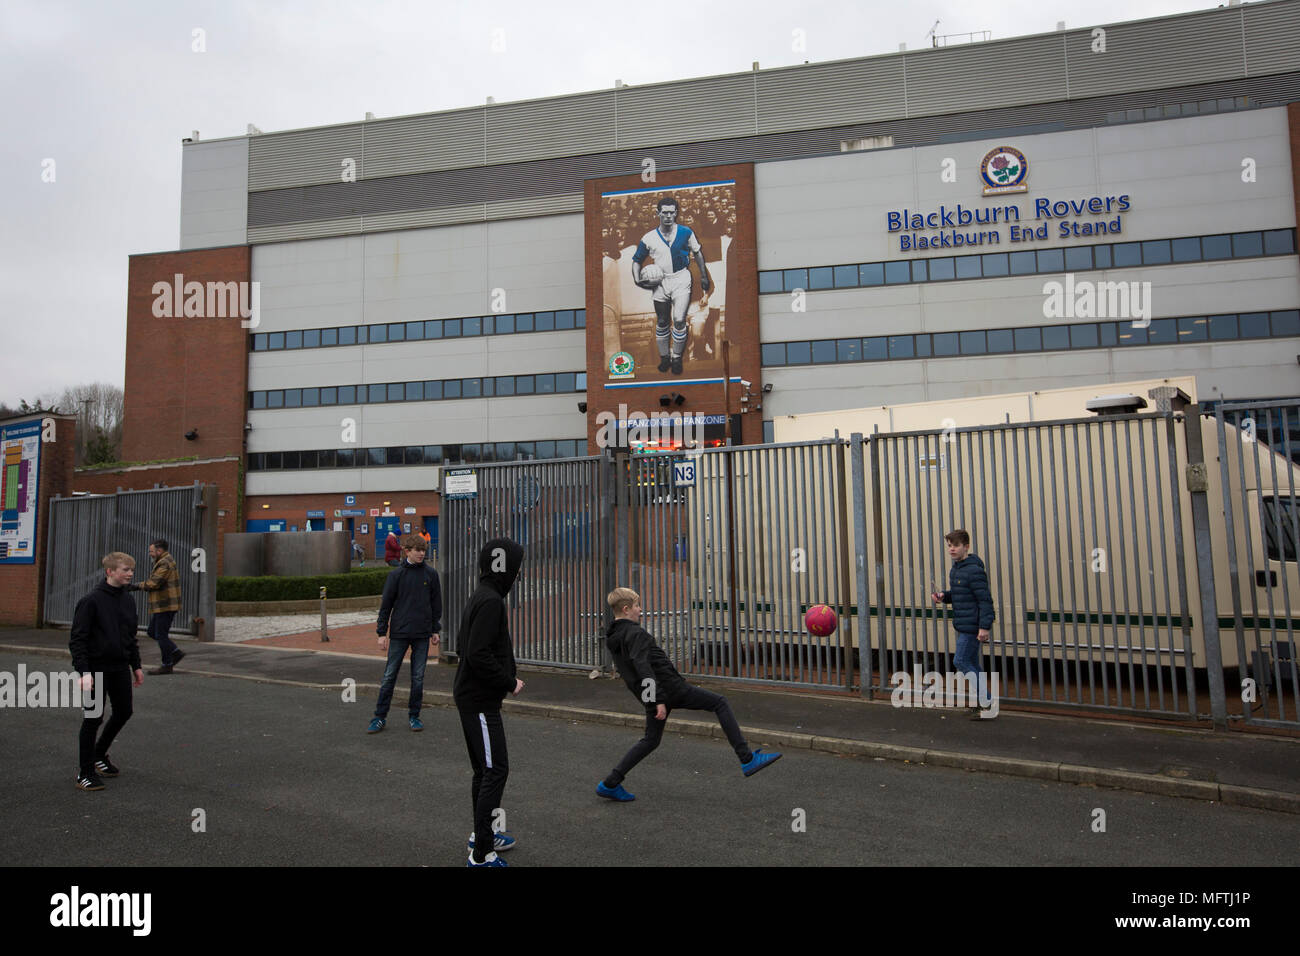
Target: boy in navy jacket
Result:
[[411, 609], [972, 604]]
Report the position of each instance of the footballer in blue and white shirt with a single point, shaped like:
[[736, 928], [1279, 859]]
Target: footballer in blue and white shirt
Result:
[[671, 246]]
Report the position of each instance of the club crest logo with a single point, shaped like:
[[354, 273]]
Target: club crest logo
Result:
[[1004, 170], [621, 365]]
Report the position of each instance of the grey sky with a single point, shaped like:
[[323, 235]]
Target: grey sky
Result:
[[107, 90]]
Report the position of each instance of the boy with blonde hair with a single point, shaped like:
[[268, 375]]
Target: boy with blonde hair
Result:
[[651, 677]]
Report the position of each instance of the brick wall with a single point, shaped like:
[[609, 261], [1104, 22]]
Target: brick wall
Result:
[[22, 586], [222, 473], [294, 508], [182, 373]]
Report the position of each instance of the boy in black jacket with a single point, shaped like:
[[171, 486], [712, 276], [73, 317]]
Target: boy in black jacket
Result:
[[412, 605], [972, 607], [650, 675], [104, 647], [485, 675]]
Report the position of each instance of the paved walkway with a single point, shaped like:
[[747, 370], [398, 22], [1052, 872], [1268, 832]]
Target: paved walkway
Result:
[[1238, 768]]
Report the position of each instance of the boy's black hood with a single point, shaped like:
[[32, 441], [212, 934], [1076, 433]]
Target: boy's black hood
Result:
[[502, 581]]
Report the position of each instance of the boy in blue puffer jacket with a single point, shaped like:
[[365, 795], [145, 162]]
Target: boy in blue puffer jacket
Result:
[[972, 605]]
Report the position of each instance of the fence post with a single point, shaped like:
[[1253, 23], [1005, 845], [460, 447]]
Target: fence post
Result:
[[324, 627], [1198, 485], [846, 599], [860, 564], [207, 506], [607, 536]]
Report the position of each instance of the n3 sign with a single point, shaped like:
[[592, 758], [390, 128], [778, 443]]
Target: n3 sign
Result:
[[684, 474]]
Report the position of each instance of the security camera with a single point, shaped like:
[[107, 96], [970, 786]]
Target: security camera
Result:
[[192, 434], [745, 384], [767, 388]]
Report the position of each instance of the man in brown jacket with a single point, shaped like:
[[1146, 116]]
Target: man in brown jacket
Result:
[[164, 587]]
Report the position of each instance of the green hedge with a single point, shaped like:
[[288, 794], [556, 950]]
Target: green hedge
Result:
[[360, 583]]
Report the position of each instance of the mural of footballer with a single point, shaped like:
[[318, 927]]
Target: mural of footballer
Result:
[[671, 246]]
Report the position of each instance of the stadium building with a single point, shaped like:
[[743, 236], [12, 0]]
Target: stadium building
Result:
[[353, 309]]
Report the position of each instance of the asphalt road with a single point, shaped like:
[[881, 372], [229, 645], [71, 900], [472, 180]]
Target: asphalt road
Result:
[[286, 775]]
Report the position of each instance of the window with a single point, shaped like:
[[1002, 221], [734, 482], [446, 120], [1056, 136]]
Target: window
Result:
[[875, 348], [505, 385], [433, 454], [1052, 260], [796, 279], [1101, 257], [488, 385], [292, 397], [310, 397], [1083, 336], [769, 282], [1077, 258], [378, 333], [275, 341], [345, 458], [376, 393], [1192, 329], [945, 343], [922, 344], [1001, 340], [347, 394], [900, 346], [1286, 323], [414, 331], [897, 273], [995, 264], [1023, 263], [1056, 338], [769, 431], [505, 451], [524, 323], [1156, 252], [470, 388], [1128, 254], [414, 391], [564, 319], [941, 269], [1129, 334], [968, 267], [1279, 242], [1254, 325], [293, 340], [580, 382], [523, 385], [432, 391], [275, 399], [972, 343], [872, 273], [918, 270], [259, 399], [259, 342], [375, 457], [325, 459], [565, 382], [1247, 244], [274, 460], [1216, 247], [256, 461], [846, 277], [395, 456], [1187, 250], [311, 339], [348, 335], [821, 278], [1029, 340], [505, 324], [433, 329], [451, 328], [471, 326], [451, 388], [488, 324], [823, 351], [1223, 327], [544, 322], [1278, 523], [798, 353], [396, 391], [848, 350], [545, 384]]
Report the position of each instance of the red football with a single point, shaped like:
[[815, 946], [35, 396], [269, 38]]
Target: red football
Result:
[[821, 620]]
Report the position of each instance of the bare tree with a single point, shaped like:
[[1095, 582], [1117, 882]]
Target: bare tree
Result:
[[98, 408]]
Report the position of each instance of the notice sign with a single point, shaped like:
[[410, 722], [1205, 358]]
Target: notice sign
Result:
[[460, 483], [20, 462]]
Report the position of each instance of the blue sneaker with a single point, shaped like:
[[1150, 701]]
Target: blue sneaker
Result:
[[617, 793], [417, 724], [500, 843], [490, 860], [757, 762], [376, 725]]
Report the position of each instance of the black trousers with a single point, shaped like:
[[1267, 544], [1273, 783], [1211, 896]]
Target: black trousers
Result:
[[116, 691], [693, 698], [485, 739]]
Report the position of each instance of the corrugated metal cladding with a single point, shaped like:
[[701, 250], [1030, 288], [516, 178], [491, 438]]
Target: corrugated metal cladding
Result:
[[713, 108], [526, 208], [518, 132], [1197, 49], [316, 229], [830, 94], [418, 143], [984, 76], [303, 158], [1271, 30], [448, 196]]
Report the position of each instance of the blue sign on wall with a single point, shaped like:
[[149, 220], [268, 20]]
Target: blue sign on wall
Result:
[[349, 499]]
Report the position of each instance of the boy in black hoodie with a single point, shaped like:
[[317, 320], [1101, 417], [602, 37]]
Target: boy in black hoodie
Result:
[[485, 675], [412, 604], [650, 675], [104, 647]]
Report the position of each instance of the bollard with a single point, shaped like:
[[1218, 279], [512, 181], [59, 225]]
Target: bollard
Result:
[[324, 628]]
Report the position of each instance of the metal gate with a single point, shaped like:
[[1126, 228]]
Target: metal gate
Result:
[[84, 529], [1081, 527], [554, 510], [1259, 445]]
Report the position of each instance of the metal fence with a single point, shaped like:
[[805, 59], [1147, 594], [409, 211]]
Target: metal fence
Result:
[[1081, 528], [1106, 550], [1258, 445], [553, 509], [84, 529]]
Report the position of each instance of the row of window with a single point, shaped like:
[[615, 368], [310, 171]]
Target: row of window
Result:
[[549, 383], [468, 454], [1153, 252], [1046, 338], [1198, 107], [419, 331]]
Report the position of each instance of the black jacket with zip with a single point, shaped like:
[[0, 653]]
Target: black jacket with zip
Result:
[[412, 602], [639, 658], [486, 672], [103, 631]]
